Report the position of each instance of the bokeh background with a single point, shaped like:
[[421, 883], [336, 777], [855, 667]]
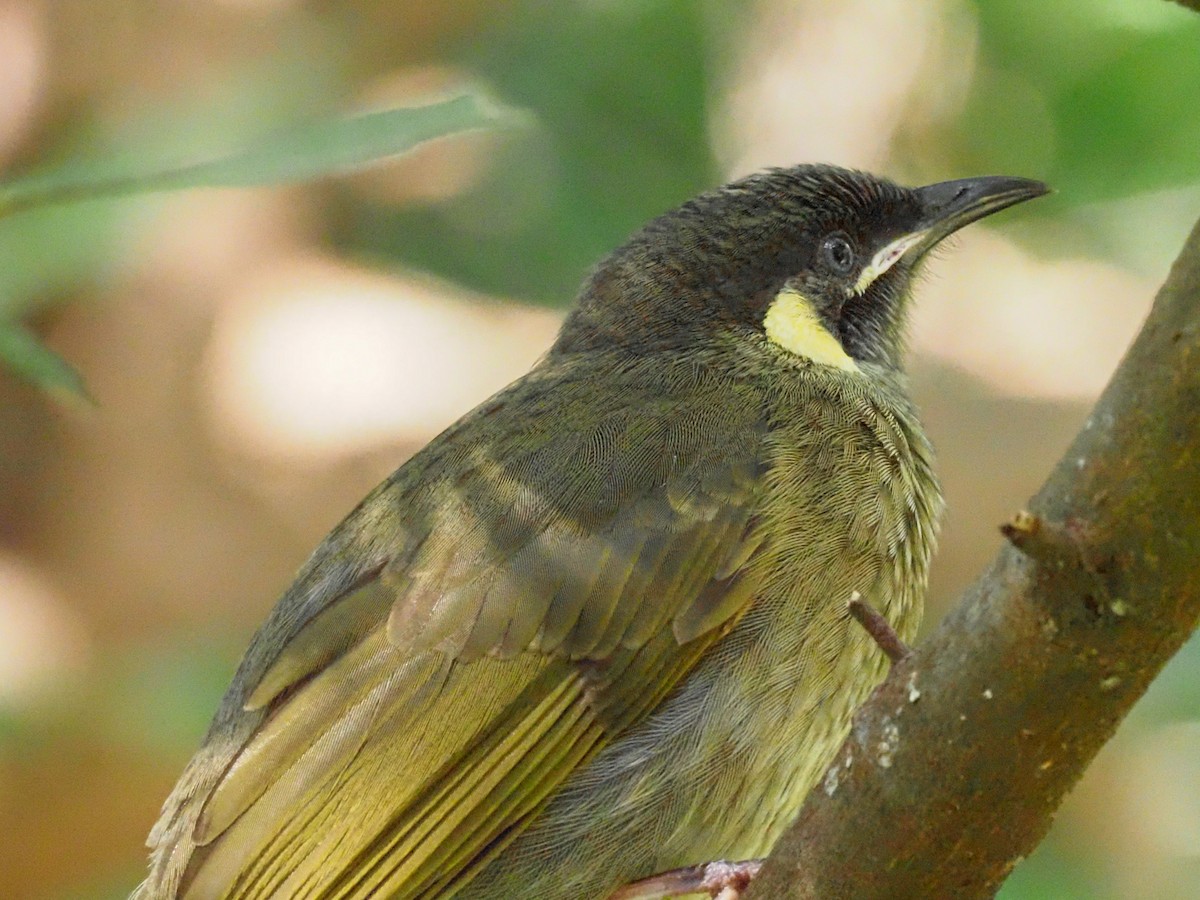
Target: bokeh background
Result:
[[260, 358]]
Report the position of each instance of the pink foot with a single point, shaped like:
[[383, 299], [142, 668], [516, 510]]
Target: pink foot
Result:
[[721, 880]]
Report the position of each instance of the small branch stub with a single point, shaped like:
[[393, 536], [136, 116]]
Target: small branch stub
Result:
[[879, 628], [1055, 545], [1021, 529], [1050, 543]]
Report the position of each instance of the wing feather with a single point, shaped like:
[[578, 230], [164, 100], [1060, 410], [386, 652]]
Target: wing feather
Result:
[[505, 612]]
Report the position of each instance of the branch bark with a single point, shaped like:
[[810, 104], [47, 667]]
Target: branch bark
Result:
[[956, 764]]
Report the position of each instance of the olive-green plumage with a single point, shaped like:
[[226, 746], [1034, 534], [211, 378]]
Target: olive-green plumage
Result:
[[598, 628]]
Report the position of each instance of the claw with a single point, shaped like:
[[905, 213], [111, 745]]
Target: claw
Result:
[[721, 880]]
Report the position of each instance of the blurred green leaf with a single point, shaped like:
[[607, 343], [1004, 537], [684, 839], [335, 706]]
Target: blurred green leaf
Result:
[[1152, 142], [1175, 694], [45, 253], [1097, 98], [1053, 873], [25, 355], [301, 153], [620, 92], [41, 255], [48, 252], [163, 696]]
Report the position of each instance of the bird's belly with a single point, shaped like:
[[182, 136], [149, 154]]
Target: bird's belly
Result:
[[717, 772], [723, 764], [795, 752], [763, 745]]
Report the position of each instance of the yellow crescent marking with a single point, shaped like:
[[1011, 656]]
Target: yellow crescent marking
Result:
[[793, 324]]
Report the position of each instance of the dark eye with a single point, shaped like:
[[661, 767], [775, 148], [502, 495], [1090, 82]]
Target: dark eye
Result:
[[838, 253]]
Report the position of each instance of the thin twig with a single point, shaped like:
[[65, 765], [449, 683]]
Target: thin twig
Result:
[[879, 628]]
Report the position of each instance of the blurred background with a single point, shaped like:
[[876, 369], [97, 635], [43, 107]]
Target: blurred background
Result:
[[260, 358]]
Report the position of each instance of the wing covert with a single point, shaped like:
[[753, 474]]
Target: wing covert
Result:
[[537, 549]]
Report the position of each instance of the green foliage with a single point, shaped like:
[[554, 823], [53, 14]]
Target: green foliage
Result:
[[29, 358], [1080, 94], [1052, 873], [1096, 98], [49, 257], [620, 94], [175, 684], [300, 153]]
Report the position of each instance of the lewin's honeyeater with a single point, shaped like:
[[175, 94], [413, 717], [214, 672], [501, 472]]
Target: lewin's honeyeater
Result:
[[598, 628]]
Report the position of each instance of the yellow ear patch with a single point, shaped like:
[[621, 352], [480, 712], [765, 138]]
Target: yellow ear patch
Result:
[[793, 324]]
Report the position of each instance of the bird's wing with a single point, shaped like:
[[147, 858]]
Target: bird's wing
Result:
[[538, 578]]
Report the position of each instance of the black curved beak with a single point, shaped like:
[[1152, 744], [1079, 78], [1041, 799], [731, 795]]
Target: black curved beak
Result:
[[950, 205], [944, 208]]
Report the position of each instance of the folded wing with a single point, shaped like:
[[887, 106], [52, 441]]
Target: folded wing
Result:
[[536, 579]]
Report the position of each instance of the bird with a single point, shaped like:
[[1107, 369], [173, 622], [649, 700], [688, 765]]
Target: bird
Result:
[[597, 629]]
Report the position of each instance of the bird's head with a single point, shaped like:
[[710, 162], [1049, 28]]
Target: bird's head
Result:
[[816, 258]]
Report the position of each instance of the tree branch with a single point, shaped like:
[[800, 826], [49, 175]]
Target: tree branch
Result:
[[991, 720]]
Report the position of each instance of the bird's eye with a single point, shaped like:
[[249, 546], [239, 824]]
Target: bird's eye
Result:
[[838, 253]]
